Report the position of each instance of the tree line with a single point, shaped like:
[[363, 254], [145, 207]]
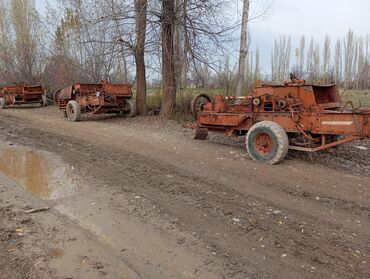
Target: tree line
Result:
[[171, 43], [119, 41], [346, 62]]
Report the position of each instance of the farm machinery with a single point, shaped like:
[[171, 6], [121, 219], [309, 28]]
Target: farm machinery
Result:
[[100, 98], [22, 95], [276, 118]]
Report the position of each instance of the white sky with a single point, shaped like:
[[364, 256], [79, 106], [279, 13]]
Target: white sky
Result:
[[309, 17], [297, 17]]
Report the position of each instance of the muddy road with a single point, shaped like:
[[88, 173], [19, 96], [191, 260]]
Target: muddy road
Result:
[[137, 198]]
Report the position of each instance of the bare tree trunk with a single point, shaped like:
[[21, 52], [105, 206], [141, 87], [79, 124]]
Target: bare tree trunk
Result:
[[302, 46], [141, 107], [168, 68], [326, 59], [141, 10], [257, 73], [185, 62], [310, 61], [124, 64], [243, 49], [338, 62], [348, 47], [177, 46]]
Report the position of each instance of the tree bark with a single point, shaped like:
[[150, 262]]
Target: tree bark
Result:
[[177, 46], [168, 68], [243, 50], [141, 21]]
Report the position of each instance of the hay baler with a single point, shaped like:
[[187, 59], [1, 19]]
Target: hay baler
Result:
[[276, 118], [22, 95], [95, 99]]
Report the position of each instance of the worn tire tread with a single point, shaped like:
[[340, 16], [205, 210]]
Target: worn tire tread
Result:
[[77, 109], [132, 113], [2, 103], [282, 138]]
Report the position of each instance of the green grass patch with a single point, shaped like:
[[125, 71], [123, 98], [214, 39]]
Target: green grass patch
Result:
[[357, 97]]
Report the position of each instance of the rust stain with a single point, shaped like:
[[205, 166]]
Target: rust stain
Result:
[[56, 253]]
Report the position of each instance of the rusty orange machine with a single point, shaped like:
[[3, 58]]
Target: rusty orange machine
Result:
[[95, 99], [295, 116], [22, 95]]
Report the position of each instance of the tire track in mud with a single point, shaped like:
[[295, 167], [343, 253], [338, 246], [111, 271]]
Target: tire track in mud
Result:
[[320, 199], [208, 208], [343, 157]]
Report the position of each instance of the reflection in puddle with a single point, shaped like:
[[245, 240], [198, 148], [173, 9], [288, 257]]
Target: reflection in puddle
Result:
[[41, 174]]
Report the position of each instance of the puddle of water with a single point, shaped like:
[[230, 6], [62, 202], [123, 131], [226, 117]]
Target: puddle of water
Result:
[[40, 173]]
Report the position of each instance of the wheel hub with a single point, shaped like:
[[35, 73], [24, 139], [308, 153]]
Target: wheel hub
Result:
[[263, 144]]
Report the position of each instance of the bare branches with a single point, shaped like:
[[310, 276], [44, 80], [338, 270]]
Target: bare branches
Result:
[[350, 67], [20, 52]]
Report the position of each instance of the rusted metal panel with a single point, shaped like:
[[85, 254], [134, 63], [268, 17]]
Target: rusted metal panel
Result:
[[224, 119], [65, 94], [117, 89]]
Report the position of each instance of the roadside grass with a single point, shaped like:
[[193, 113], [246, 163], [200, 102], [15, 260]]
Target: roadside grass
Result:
[[357, 97]]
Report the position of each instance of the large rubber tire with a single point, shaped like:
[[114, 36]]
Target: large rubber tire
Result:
[[267, 142], [200, 133], [198, 102], [131, 104], [2, 103], [44, 102], [73, 111]]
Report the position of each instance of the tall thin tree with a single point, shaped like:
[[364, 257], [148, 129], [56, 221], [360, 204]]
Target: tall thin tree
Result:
[[243, 49], [141, 20]]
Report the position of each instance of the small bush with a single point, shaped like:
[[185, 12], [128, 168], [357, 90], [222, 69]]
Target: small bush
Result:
[[183, 102], [154, 100]]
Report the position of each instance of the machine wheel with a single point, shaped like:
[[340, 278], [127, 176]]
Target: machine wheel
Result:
[[267, 142], [73, 111], [131, 105], [44, 102], [2, 103], [198, 103], [200, 133]]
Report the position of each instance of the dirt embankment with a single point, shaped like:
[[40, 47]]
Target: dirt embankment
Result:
[[165, 206]]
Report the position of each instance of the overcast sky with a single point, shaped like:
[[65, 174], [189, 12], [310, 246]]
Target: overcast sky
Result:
[[297, 17], [312, 18]]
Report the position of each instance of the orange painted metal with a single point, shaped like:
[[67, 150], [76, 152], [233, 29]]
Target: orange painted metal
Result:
[[313, 114], [95, 98], [22, 94]]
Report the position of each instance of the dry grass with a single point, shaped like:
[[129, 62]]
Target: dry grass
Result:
[[183, 100], [357, 97]]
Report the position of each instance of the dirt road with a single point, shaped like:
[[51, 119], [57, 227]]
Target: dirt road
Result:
[[149, 202]]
